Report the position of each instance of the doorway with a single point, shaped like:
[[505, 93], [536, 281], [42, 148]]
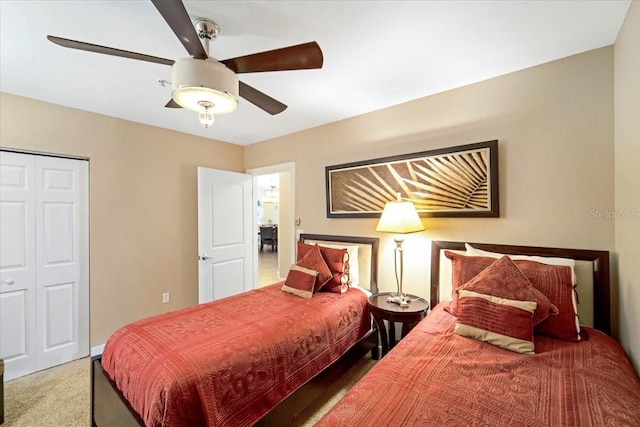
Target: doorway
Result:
[[267, 220], [273, 266]]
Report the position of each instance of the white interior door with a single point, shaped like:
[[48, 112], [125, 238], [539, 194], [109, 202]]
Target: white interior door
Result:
[[44, 279], [226, 233], [17, 264]]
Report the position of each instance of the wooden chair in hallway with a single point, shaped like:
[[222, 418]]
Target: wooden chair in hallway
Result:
[[269, 236]]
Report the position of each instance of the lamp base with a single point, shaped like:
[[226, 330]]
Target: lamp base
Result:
[[399, 299]]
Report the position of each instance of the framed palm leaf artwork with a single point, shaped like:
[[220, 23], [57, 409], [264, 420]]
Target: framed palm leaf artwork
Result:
[[449, 182]]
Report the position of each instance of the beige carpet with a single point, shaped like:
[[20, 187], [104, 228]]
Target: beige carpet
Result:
[[60, 396]]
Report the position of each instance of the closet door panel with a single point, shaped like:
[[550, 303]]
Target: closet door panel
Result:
[[57, 259], [17, 264]]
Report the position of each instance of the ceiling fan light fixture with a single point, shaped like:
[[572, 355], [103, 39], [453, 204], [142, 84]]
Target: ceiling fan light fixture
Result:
[[206, 117], [197, 81]]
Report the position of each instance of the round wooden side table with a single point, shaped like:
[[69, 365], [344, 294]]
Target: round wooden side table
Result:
[[409, 316]]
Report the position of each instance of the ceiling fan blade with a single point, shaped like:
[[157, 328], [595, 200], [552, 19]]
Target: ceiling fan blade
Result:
[[261, 100], [299, 57], [176, 15], [172, 104], [74, 44]]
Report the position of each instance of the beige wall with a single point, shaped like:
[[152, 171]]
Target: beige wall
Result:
[[554, 123], [143, 207], [627, 179]]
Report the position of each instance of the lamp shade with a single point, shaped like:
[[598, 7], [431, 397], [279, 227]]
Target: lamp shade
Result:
[[400, 218], [204, 82]]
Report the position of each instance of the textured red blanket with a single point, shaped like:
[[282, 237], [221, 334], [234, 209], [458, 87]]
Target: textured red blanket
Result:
[[434, 377], [231, 361]]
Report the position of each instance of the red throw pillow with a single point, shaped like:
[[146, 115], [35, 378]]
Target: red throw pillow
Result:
[[300, 281], [303, 248], [338, 262], [503, 279], [314, 261], [554, 281], [463, 269], [498, 321]]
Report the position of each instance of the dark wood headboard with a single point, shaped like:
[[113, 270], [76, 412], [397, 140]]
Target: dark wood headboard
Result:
[[372, 242], [600, 260]]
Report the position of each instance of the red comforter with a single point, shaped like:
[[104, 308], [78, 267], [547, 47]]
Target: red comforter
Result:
[[231, 361], [434, 377]]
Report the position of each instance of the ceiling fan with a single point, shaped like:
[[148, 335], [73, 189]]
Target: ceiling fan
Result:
[[203, 84]]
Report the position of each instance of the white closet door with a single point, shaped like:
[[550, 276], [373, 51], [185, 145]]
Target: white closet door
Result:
[[17, 264], [58, 281], [44, 280]]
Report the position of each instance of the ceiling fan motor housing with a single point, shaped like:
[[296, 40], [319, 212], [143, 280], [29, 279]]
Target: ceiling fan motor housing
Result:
[[198, 81]]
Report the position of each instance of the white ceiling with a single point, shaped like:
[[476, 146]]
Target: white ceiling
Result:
[[376, 53]]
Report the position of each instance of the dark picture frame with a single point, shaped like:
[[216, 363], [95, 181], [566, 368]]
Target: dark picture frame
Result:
[[459, 181]]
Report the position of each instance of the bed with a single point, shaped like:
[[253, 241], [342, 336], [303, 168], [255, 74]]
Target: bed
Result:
[[436, 376], [235, 360]]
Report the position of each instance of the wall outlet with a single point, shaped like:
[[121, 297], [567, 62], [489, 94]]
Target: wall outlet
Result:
[[165, 297]]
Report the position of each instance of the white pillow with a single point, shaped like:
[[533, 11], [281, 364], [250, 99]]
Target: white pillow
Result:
[[352, 250]]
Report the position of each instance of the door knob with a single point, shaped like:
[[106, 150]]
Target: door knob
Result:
[[203, 257], [9, 281]]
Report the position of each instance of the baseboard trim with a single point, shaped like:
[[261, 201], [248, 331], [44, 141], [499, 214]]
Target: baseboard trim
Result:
[[97, 350]]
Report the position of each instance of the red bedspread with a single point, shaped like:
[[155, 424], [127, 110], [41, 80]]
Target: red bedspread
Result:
[[230, 361], [436, 378]]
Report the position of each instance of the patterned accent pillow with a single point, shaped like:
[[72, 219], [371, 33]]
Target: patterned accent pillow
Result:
[[502, 322], [300, 281], [338, 262], [555, 282], [352, 261], [314, 261], [503, 279]]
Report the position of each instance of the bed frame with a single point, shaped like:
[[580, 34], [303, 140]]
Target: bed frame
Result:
[[592, 271], [110, 408]]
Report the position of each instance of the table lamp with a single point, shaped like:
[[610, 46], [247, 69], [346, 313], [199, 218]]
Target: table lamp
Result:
[[400, 218]]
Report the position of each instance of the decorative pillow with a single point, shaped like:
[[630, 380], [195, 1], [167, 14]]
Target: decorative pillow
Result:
[[313, 260], [498, 321], [352, 251], [300, 281], [463, 269], [555, 282], [503, 279], [303, 248], [338, 262], [562, 326]]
